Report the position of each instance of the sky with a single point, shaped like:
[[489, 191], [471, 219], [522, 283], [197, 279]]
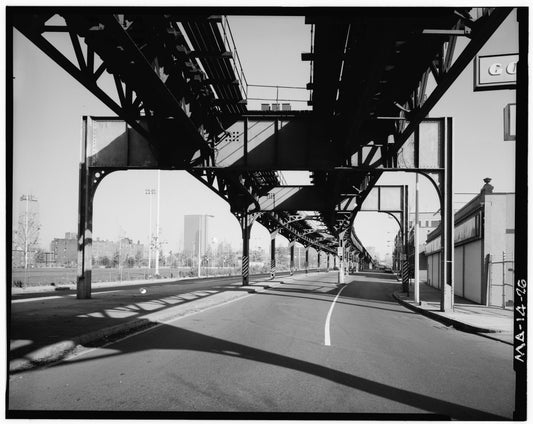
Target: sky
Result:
[[49, 104]]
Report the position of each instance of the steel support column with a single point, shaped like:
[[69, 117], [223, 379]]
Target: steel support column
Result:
[[404, 259], [405, 241], [246, 227], [446, 304], [85, 228], [273, 253], [318, 260], [291, 265], [341, 260], [306, 259], [89, 178], [327, 265]]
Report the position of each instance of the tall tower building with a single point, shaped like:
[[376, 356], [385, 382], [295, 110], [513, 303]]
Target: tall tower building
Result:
[[195, 234]]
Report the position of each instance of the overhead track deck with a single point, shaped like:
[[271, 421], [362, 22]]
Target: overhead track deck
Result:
[[179, 85]]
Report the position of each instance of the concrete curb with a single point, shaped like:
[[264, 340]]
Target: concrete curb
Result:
[[444, 319], [58, 351]]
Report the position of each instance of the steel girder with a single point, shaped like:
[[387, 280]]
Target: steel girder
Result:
[[370, 86], [176, 72], [173, 72]]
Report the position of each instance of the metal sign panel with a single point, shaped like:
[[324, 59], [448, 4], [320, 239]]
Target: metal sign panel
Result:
[[113, 143], [384, 198], [424, 148], [495, 72]]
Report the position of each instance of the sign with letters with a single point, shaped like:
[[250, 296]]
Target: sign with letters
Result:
[[495, 72]]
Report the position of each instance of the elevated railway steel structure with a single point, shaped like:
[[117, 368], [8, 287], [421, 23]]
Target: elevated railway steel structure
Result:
[[180, 102]]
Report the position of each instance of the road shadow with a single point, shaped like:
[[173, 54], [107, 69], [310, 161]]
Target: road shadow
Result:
[[36, 324], [179, 339], [41, 323]]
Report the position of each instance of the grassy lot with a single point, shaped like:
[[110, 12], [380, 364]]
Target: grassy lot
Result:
[[62, 276]]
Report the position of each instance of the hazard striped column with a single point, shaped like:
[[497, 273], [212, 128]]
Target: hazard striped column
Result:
[[246, 229], [245, 270], [273, 254], [405, 276], [291, 265]]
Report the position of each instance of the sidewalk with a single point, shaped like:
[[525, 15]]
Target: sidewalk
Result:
[[492, 322], [46, 327]]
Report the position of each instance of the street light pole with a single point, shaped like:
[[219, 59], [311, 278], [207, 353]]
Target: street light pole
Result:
[[150, 192], [199, 228], [157, 223]]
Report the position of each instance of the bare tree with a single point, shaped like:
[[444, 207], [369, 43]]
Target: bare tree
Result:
[[26, 235]]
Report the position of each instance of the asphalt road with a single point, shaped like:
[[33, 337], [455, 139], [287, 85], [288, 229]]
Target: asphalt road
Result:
[[309, 346]]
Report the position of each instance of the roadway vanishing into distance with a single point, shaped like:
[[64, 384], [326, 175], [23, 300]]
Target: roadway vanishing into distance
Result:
[[305, 346]]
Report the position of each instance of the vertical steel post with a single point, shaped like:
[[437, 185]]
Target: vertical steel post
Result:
[[417, 253], [503, 280], [446, 303], [157, 242], [273, 254], [199, 251], [327, 265], [347, 259], [85, 221], [489, 279], [306, 259], [291, 265], [341, 260], [245, 227], [405, 240], [318, 260]]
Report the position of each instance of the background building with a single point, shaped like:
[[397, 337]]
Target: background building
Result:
[[105, 252], [65, 250], [195, 235], [427, 222], [484, 249]]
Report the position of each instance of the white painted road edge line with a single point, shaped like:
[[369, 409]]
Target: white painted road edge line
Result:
[[327, 338]]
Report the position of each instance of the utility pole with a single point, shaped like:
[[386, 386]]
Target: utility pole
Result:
[[150, 192], [198, 246], [157, 223]]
